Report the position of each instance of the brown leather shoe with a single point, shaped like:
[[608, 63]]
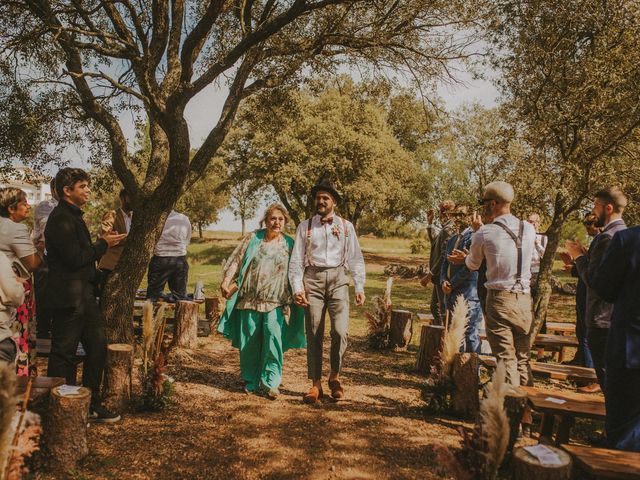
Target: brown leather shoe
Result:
[[313, 395], [337, 392], [591, 388]]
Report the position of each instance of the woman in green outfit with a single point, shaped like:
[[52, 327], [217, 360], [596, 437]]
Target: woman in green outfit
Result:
[[260, 317]]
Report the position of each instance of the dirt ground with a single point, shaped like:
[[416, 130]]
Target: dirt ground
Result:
[[215, 430]]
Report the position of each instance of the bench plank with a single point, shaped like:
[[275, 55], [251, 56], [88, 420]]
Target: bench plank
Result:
[[561, 327], [551, 370], [605, 463], [40, 387], [576, 404]]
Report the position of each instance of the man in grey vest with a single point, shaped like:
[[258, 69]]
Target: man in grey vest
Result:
[[507, 245], [326, 250]]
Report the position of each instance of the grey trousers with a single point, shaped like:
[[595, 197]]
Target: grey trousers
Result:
[[508, 324], [327, 289]]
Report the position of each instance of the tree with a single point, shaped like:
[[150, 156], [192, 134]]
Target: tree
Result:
[[99, 61], [288, 141], [204, 200], [245, 199], [571, 83]]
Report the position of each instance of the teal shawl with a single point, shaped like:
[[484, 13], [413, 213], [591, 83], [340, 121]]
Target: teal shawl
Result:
[[292, 333]]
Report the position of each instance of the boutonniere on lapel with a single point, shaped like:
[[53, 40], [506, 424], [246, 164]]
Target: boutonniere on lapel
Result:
[[335, 230]]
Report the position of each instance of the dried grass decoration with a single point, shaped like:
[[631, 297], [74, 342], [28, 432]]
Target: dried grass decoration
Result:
[[379, 322], [440, 385], [19, 431], [157, 387]]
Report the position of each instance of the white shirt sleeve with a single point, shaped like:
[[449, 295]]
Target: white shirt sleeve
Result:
[[296, 264], [11, 291], [476, 251], [355, 260]]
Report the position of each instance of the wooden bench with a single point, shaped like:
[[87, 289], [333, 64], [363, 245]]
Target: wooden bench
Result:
[[551, 370], [561, 328], [555, 343], [425, 318], [574, 405], [40, 388], [601, 463]]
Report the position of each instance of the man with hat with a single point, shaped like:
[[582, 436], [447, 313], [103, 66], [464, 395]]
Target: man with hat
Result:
[[326, 249], [507, 245]]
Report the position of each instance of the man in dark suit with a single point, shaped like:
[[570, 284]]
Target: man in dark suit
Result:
[[72, 293], [618, 281], [607, 208]]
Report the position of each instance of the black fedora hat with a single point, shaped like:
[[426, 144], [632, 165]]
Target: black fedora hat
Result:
[[324, 184]]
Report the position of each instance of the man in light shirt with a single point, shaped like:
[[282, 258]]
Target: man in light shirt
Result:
[[326, 249], [507, 245], [169, 262]]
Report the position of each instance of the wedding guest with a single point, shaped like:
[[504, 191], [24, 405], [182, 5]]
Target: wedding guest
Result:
[[73, 287], [17, 245], [11, 297], [169, 261], [458, 280], [326, 250], [40, 216], [608, 206], [118, 221], [617, 280], [259, 317], [507, 245]]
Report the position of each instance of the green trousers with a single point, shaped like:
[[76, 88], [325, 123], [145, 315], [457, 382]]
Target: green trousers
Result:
[[261, 348]]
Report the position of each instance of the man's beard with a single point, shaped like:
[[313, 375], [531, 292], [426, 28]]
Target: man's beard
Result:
[[602, 220]]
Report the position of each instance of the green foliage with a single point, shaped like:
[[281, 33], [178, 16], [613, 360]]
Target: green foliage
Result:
[[286, 140], [419, 245]]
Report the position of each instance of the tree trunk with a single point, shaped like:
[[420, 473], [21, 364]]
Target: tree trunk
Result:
[[212, 311], [541, 300], [243, 222], [185, 333], [527, 467], [466, 397], [401, 329], [65, 430], [431, 337], [119, 295], [515, 403], [118, 376], [200, 230]]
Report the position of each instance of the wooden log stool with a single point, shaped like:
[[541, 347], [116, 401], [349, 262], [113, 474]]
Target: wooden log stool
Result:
[[466, 396], [401, 329], [515, 404], [527, 467], [65, 428], [118, 376], [186, 324], [431, 337]]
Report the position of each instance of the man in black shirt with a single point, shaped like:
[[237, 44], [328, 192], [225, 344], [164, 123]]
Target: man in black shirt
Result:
[[72, 293]]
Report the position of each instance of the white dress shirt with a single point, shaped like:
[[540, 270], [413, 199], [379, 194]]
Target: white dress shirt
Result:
[[495, 245], [538, 252], [329, 247], [127, 219], [175, 237]]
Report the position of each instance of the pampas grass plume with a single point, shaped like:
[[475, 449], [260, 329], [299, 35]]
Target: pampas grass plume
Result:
[[494, 421], [454, 334]]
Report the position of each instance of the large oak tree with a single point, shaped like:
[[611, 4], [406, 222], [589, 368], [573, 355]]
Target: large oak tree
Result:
[[93, 62]]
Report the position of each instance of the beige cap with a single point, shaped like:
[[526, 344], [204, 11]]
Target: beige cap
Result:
[[499, 191]]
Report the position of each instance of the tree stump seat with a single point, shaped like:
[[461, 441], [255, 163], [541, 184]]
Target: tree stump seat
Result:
[[527, 467], [567, 406], [602, 463]]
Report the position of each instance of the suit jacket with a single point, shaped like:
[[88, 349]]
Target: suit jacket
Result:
[[618, 281], [112, 221], [71, 257], [462, 279], [437, 249], [598, 311]]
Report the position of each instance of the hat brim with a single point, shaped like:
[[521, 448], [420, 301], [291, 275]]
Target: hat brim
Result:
[[331, 191]]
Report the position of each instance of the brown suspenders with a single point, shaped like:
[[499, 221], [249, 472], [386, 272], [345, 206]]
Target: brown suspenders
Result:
[[307, 261], [518, 242]]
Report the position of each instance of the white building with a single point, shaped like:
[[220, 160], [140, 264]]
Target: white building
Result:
[[36, 186]]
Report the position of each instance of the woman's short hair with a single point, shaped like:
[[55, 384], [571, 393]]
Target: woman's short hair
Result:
[[10, 197], [68, 177], [270, 209]]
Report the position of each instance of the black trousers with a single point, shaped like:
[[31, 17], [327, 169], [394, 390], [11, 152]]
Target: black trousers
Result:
[[163, 270], [597, 340], [82, 323], [43, 312], [8, 350]]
